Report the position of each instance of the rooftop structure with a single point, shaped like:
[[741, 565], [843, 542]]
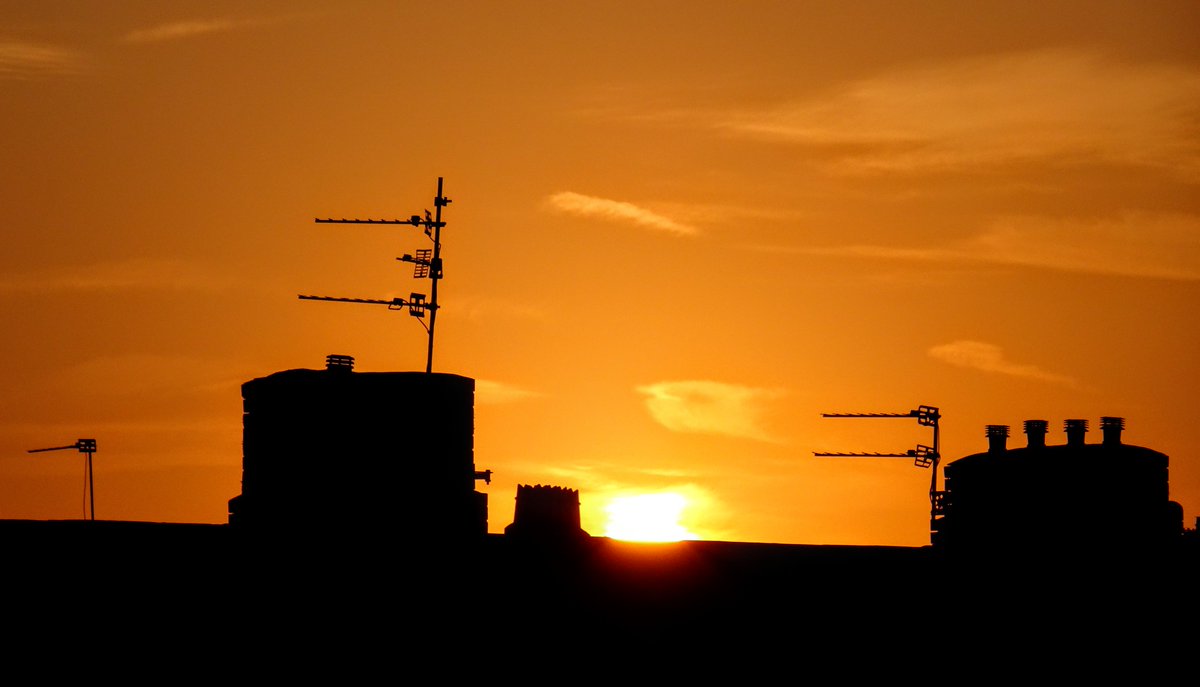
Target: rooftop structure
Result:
[[361, 450], [1071, 496]]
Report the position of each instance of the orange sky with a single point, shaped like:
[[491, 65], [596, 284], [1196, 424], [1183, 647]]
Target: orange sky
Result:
[[680, 231]]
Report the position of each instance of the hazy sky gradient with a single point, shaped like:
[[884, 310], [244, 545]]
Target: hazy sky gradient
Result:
[[680, 231]]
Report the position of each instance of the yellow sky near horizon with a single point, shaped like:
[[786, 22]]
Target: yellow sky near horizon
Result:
[[680, 231]]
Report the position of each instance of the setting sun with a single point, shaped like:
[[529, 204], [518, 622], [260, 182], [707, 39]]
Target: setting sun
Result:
[[647, 517]]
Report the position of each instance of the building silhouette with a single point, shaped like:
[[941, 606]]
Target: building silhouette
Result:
[[336, 449], [1073, 497]]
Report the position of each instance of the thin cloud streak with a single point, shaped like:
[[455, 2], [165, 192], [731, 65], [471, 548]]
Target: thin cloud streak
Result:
[[23, 60], [180, 30], [708, 407], [69, 426], [986, 357], [993, 110], [1136, 245], [619, 211], [1142, 246], [113, 276], [477, 308], [488, 392], [602, 475]]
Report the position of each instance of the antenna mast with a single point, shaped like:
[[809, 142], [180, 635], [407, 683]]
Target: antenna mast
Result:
[[923, 456], [427, 264], [87, 446]]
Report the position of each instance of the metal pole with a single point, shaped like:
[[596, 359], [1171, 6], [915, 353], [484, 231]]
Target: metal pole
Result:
[[436, 271], [91, 486], [937, 458]]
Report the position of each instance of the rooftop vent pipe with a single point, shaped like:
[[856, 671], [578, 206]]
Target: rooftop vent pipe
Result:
[[339, 363], [1035, 431], [1112, 426], [997, 438], [1075, 430]]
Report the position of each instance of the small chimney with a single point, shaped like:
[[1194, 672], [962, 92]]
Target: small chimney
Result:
[[1112, 426], [339, 363], [997, 438], [1035, 432], [1075, 430], [545, 512]]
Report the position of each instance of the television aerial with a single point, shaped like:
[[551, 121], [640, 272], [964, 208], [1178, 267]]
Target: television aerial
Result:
[[923, 456], [87, 446], [427, 264]]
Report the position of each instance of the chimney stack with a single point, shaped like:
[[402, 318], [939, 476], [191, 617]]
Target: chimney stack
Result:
[[1035, 432], [1075, 430], [545, 512], [997, 438], [1112, 426]]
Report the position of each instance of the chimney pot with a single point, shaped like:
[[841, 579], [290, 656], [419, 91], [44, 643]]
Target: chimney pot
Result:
[[1112, 426], [997, 438], [1035, 432], [339, 363], [1075, 430]]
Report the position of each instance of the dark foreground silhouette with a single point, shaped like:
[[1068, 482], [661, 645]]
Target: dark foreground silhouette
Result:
[[357, 549], [212, 589]]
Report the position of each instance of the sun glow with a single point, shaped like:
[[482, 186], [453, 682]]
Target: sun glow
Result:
[[647, 517]]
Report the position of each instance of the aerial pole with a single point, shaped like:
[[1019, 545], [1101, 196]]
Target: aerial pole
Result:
[[436, 270], [87, 446], [427, 264]]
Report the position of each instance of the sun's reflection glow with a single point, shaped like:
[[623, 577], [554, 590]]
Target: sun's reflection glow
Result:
[[647, 517]]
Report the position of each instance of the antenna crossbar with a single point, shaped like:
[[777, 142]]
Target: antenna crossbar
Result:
[[415, 221], [911, 413], [416, 303], [839, 454], [399, 302]]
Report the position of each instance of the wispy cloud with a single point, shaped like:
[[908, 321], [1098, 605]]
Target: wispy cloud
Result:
[[599, 475], [708, 407], [24, 60], [986, 357], [112, 276], [1134, 245], [989, 110], [178, 30], [618, 211], [477, 307], [491, 393], [142, 374]]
